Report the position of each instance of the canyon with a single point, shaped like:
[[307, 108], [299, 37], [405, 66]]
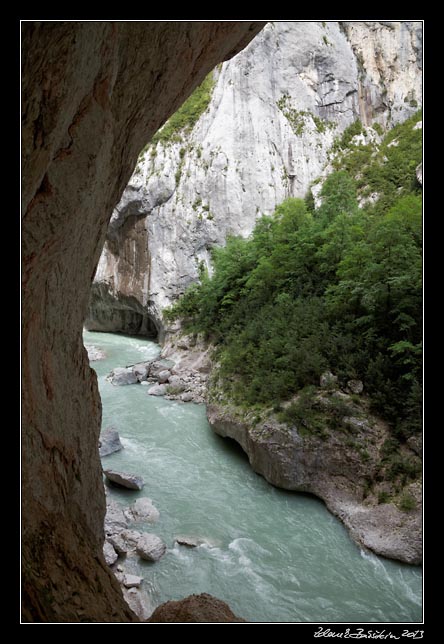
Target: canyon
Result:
[[272, 117], [121, 213]]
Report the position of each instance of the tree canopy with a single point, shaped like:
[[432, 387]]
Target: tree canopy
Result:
[[335, 287]]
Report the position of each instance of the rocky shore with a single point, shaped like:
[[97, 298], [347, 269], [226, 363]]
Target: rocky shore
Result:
[[179, 373], [126, 539], [340, 470], [123, 543], [94, 353], [343, 467]]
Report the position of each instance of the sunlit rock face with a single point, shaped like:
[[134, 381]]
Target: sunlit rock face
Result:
[[274, 112]]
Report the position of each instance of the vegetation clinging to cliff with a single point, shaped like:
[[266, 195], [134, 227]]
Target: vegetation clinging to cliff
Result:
[[188, 114], [336, 287], [385, 170]]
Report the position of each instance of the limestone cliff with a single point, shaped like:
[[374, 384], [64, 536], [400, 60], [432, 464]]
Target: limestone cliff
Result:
[[275, 110], [93, 94]]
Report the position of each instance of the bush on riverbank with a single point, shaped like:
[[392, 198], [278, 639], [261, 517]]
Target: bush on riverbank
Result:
[[335, 287]]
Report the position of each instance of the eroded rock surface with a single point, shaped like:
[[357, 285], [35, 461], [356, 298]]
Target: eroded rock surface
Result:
[[334, 469], [93, 95]]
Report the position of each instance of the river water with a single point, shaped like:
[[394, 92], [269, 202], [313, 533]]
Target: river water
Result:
[[275, 556]]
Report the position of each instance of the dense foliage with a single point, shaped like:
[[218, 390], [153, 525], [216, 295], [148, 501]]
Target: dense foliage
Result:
[[384, 169], [335, 287]]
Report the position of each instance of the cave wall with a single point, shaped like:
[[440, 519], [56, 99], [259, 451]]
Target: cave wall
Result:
[[124, 314], [93, 94]]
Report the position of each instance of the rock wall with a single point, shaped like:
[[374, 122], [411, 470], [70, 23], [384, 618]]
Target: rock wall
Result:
[[389, 57], [275, 110], [93, 95], [335, 471]]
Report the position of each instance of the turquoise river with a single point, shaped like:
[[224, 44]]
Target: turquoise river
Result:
[[275, 556]]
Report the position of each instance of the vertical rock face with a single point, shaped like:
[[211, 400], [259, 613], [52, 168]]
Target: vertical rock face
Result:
[[93, 94], [389, 56], [275, 110]]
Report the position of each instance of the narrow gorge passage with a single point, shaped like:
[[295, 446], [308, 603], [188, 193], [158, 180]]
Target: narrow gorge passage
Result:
[[99, 100], [272, 555]]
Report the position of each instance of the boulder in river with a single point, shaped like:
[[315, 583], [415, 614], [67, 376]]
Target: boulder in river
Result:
[[130, 537], [157, 390], [150, 547], [109, 442], [158, 366], [187, 396], [94, 353], [109, 553], [142, 509], [131, 581], [141, 371], [123, 479], [115, 520], [122, 376], [120, 545], [190, 542], [163, 376]]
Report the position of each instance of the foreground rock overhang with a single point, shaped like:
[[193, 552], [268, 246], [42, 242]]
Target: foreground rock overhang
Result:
[[93, 95]]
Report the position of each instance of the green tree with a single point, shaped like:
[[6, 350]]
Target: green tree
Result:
[[335, 287], [338, 196]]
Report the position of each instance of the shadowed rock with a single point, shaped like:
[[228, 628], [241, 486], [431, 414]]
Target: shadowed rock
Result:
[[195, 608], [109, 442], [115, 520], [138, 601], [123, 479]]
